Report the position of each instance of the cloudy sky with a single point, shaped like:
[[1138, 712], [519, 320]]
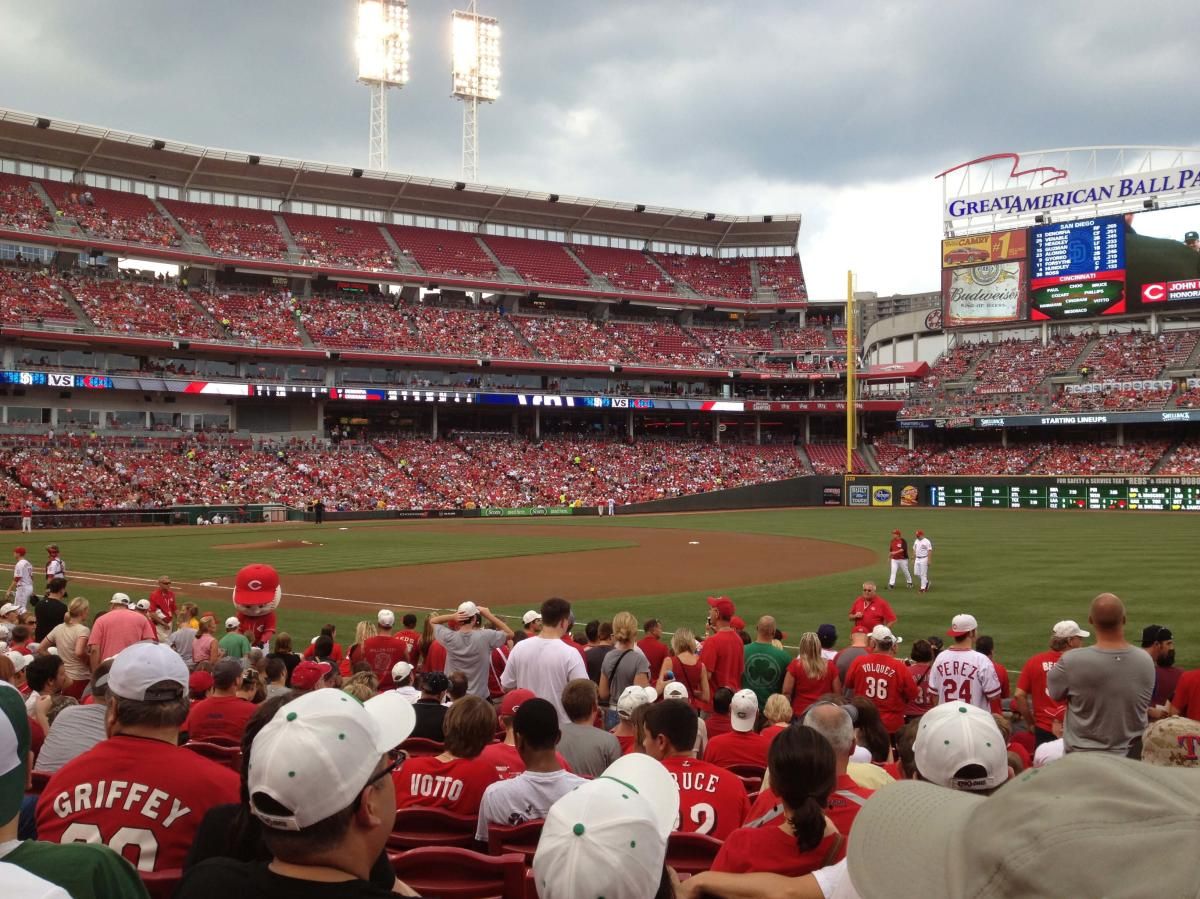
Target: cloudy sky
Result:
[[840, 111]]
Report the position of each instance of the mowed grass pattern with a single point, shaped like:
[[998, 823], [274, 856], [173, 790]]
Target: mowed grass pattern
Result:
[[1017, 572]]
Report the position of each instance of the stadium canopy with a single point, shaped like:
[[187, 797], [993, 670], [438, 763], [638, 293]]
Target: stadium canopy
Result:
[[895, 371], [25, 137]]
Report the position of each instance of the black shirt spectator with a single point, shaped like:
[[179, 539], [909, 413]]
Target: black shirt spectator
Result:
[[51, 611]]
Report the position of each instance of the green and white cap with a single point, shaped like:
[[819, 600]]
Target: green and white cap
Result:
[[14, 750], [954, 735], [318, 752], [608, 837]]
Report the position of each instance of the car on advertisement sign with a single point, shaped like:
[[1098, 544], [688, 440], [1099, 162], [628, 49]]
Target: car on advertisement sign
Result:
[[963, 255]]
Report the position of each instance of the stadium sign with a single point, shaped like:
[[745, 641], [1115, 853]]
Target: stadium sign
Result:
[[1069, 419]]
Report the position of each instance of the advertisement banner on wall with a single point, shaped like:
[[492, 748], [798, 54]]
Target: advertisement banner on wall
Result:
[[974, 249], [882, 495], [859, 495], [831, 496], [983, 294]]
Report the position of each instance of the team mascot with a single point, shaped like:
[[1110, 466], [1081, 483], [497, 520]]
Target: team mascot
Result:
[[256, 595]]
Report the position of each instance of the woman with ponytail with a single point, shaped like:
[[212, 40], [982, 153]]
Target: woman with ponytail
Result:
[[803, 774]]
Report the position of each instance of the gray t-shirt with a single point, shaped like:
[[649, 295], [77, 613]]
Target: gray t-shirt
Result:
[[470, 652], [846, 658], [1108, 692], [588, 750], [75, 730], [622, 668], [181, 642]]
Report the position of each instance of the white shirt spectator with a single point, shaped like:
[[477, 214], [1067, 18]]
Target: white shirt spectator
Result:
[[526, 797], [544, 665], [1049, 752]]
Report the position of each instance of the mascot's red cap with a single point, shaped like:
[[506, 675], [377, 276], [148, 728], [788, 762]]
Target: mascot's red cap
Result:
[[257, 585]]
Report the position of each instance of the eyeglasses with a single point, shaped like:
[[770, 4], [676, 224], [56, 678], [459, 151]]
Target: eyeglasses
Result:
[[396, 758]]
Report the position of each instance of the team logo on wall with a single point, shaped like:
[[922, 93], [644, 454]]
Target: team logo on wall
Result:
[[933, 321], [860, 495]]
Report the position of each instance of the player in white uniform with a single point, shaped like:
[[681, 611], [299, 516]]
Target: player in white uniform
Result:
[[22, 583], [612, 506], [55, 566], [960, 674], [922, 553]]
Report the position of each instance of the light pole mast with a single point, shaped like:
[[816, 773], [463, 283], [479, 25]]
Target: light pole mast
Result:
[[475, 77]]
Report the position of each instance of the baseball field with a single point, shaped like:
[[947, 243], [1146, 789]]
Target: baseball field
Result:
[[1018, 572]]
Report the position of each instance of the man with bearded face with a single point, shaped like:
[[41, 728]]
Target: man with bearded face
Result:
[[1159, 642]]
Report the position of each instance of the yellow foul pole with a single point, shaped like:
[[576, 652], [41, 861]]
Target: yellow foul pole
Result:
[[851, 383]]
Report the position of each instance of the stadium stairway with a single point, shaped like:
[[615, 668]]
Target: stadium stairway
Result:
[[678, 287], [293, 248], [404, 262], [805, 462], [597, 282], [1073, 368], [187, 242], [867, 452], [507, 272], [60, 223], [1166, 457], [73, 305], [225, 332]]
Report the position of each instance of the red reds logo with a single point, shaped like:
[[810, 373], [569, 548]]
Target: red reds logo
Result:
[[1050, 173], [1154, 293], [254, 584]]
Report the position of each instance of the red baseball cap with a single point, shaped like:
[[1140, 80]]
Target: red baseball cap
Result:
[[20, 550], [306, 674], [737, 623], [200, 682], [860, 629], [724, 606], [256, 584], [896, 533], [512, 701], [920, 533]]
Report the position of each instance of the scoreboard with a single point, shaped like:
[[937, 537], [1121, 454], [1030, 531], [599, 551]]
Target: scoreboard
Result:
[[1094, 495], [1077, 269]]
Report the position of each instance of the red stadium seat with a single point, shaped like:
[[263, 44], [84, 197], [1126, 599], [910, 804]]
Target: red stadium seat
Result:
[[420, 827], [745, 771], [522, 838], [419, 746], [161, 884], [229, 756], [691, 853], [452, 873]]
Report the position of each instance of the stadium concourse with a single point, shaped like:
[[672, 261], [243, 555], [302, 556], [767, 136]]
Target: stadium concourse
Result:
[[508, 756]]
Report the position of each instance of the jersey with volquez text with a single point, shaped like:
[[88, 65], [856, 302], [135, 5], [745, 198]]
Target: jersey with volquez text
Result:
[[885, 681], [456, 786], [964, 675], [142, 798], [712, 801]]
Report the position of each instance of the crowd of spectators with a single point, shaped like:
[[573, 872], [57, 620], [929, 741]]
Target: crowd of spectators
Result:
[[1184, 459], [111, 214], [1135, 457], [20, 206], [709, 276], [138, 307], [625, 269], [264, 317], [1137, 355], [1035, 457], [348, 243], [783, 275], [577, 339], [1019, 366], [830, 458], [1111, 399], [31, 296], [231, 231]]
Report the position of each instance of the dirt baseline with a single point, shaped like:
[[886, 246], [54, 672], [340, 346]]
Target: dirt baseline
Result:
[[661, 561], [270, 544]]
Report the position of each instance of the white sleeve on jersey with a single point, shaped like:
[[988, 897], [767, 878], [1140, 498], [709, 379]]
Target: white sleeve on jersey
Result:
[[989, 680]]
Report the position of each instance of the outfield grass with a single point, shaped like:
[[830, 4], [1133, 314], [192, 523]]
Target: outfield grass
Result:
[[1018, 572]]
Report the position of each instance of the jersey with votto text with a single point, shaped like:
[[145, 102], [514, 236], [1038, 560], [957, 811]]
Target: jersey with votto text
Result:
[[712, 801], [886, 681], [964, 675], [898, 549], [456, 786], [142, 798]]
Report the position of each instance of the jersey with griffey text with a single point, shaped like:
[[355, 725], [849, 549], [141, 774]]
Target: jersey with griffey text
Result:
[[712, 801], [142, 798]]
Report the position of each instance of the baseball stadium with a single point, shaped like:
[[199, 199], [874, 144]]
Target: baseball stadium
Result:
[[263, 401]]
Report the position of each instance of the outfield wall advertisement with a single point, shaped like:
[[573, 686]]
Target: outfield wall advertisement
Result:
[[1096, 493]]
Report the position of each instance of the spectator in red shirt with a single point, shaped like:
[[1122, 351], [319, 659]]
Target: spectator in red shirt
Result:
[[653, 647], [718, 722], [810, 675], [870, 609], [411, 638], [1032, 701], [1159, 643], [883, 679], [223, 715], [921, 660], [455, 779], [335, 654], [1186, 702], [987, 646], [723, 653], [742, 745], [384, 650], [163, 600]]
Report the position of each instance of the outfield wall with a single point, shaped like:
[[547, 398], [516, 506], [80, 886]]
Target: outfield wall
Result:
[[806, 491], [1146, 493]]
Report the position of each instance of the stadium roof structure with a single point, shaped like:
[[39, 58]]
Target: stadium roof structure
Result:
[[89, 148]]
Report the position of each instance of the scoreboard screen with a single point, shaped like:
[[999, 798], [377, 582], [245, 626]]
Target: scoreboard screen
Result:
[[1077, 269], [1094, 496]]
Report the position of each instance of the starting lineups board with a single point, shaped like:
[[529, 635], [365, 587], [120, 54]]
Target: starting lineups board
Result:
[[1158, 498]]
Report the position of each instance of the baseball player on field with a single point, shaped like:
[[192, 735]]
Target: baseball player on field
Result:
[[922, 553], [21, 587], [898, 552], [55, 566]]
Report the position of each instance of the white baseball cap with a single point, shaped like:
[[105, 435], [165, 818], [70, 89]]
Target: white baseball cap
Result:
[[9, 607], [531, 616], [1065, 630], [609, 833], [401, 670], [19, 660], [743, 710], [319, 752], [386, 617], [632, 697], [231, 622], [467, 611], [956, 734], [882, 632], [120, 599], [675, 690], [148, 672], [961, 625], [142, 605]]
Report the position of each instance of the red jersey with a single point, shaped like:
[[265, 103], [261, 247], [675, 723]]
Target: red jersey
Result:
[[717, 725], [626, 742], [656, 651], [496, 665], [508, 761], [885, 681], [218, 716], [1002, 676], [381, 653], [711, 800], [413, 640], [807, 690], [435, 657], [570, 641], [260, 630], [456, 786], [770, 850], [738, 748], [311, 651], [163, 600], [724, 656], [142, 798], [845, 802], [898, 548], [1033, 683], [874, 610], [1187, 694]]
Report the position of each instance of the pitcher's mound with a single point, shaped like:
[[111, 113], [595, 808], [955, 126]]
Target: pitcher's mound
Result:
[[270, 544]]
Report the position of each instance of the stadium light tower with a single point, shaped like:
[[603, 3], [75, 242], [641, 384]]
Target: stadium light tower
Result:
[[475, 76], [382, 48]]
